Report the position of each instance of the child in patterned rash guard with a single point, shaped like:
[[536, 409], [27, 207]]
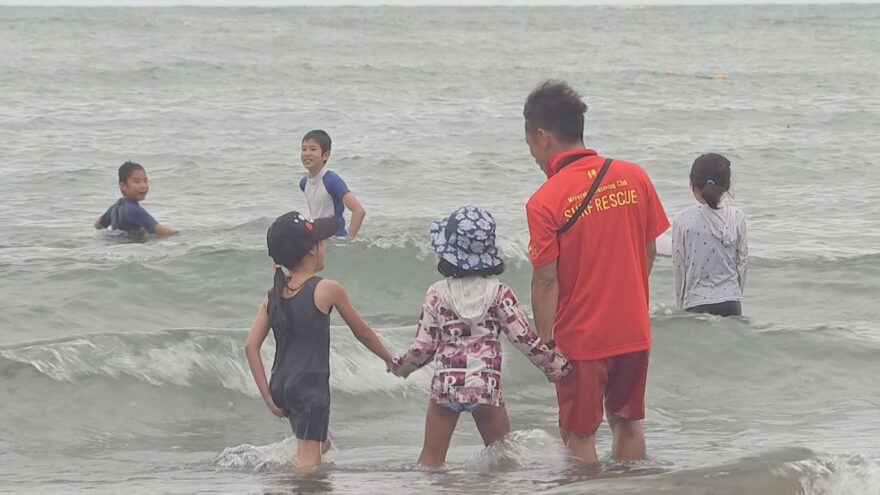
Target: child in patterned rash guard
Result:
[[462, 319]]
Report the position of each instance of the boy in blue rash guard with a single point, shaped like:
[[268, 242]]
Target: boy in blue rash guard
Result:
[[326, 193], [127, 215]]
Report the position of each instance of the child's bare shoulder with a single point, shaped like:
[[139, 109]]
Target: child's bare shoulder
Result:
[[328, 285], [329, 293]]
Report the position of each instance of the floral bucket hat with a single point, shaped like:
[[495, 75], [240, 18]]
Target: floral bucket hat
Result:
[[467, 239]]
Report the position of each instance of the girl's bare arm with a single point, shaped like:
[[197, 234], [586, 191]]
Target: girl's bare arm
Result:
[[258, 333], [331, 293]]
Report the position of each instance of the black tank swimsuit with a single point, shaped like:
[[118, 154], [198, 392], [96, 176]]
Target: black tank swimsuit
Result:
[[300, 382]]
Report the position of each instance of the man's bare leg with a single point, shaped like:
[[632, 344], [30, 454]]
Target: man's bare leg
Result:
[[583, 449], [628, 442]]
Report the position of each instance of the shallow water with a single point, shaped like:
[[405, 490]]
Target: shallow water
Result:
[[122, 365]]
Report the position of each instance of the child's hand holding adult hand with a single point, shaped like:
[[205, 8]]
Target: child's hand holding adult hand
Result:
[[554, 376]]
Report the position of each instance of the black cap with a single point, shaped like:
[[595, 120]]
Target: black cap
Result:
[[292, 235]]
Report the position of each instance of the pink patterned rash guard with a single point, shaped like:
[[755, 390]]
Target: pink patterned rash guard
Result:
[[459, 329]]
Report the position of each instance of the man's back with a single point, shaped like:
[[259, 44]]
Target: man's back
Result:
[[590, 283], [602, 264]]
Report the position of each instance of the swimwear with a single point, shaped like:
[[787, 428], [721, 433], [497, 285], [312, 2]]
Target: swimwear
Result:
[[300, 383]]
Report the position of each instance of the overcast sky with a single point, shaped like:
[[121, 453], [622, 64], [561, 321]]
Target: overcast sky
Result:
[[403, 2]]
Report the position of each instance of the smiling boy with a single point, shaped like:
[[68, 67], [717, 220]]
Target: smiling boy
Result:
[[326, 193]]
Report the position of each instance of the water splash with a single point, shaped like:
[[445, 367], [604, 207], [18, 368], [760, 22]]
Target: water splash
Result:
[[275, 457], [839, 475]]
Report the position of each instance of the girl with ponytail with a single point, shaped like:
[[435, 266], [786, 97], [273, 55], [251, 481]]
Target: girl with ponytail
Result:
[[709, 246], [297, 310]]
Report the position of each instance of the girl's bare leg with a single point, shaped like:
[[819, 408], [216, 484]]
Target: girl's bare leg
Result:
[[308, 455], [439, 425], [492, 422]]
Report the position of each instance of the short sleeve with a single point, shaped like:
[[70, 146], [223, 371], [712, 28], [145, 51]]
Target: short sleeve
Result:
[[139, 215], [543, 240], [335, 186], [656, 221], [105, 219]]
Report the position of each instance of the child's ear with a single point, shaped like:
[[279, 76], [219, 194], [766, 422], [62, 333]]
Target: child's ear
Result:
[[326, 156]]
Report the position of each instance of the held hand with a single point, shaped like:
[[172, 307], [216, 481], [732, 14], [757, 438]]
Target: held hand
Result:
[[554, 376], [392, 366]]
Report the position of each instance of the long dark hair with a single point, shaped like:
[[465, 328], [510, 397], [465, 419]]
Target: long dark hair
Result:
[[447, 269], [711, 175], [277, 319]]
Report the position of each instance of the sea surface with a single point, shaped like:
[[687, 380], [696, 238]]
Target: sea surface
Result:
[[121, 364]]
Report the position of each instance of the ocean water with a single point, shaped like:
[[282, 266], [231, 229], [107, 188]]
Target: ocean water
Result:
[[121, 364]]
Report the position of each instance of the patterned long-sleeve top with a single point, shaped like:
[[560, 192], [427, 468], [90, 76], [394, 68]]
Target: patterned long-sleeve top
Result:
[[466, 348], [709, 255]]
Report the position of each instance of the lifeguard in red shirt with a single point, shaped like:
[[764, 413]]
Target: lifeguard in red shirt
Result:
[[592, 228]]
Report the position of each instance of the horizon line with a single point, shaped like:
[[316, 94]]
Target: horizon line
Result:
[[430, 4]]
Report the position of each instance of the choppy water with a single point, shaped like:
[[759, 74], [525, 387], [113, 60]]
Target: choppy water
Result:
[[121, 368]]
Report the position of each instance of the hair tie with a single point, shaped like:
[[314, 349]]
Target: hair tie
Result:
[[279, 267], [710, 182]]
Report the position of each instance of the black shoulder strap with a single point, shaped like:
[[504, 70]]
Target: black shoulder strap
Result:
[[571, 159], [592, 192]]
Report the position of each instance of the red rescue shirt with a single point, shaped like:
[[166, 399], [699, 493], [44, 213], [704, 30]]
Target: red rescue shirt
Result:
[[602, 263]]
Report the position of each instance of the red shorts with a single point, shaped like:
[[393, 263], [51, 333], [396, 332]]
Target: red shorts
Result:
[[617, 382]]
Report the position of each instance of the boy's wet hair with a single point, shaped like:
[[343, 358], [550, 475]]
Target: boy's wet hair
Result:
[[128, 168], [320, 137], [447, 269], [556, 107], [711, 175]]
